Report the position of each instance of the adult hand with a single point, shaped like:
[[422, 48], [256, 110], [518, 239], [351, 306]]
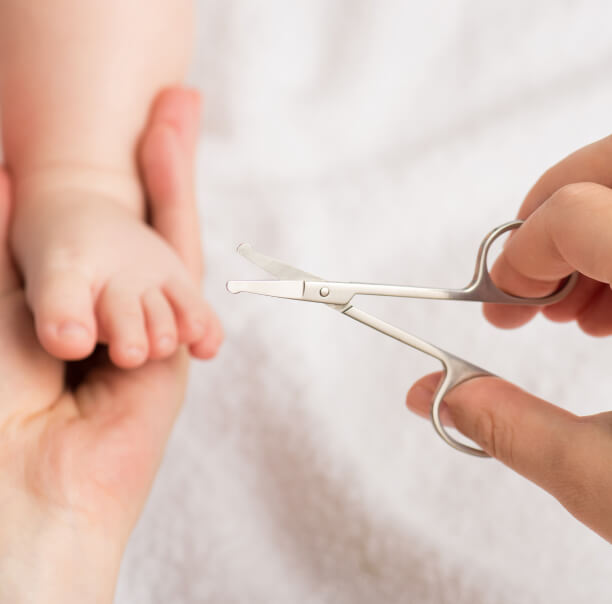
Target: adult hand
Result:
[[568, 228], [76, 466]]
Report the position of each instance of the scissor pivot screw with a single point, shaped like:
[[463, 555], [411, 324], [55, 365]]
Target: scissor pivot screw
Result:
[[324, 292]]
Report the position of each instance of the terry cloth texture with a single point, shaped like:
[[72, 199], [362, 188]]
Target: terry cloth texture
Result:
[[374, 141]]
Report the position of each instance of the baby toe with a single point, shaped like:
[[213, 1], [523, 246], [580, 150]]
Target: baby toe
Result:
[[208, 346], [121, 317], [161, 326], [63, 308], [190, 311]]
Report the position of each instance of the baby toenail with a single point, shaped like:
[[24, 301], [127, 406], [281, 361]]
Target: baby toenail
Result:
[[135, 352], [73, 330], [165, 343]]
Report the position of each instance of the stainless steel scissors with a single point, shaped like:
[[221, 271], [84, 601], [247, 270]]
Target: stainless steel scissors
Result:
[[295, 284]]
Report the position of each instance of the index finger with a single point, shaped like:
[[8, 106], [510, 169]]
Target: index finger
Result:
[[532, 265], [570, 231]]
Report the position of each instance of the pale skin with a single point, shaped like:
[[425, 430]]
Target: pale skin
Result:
[[77, 80], [568, 216], [76, 466]]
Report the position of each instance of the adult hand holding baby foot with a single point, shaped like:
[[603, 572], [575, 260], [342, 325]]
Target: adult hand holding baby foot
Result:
[[568, 226], [76, 466]]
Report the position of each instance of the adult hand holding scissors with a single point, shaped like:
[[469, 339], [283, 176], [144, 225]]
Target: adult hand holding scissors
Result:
[[76, 466], [568, 227]]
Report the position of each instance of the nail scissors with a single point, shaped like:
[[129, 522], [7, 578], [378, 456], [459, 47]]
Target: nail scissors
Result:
[[294, 284]]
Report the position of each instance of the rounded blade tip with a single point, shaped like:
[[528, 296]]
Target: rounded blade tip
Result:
[[243, 247], [232, 287]]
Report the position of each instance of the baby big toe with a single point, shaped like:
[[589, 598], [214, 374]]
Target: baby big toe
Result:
[[161, 326], [62, 304], [121, 318]]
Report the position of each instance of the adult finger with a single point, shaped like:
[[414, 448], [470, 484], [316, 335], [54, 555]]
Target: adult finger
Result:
[[569, 232], [577, 301], [589, 164], [596, 318], [566, 455], [167, 159]]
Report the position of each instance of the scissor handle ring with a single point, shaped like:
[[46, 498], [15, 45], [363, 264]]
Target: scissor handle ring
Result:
[[483, 289], [456, 371]]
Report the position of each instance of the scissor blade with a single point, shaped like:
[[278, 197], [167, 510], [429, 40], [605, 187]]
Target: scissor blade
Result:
[[293, 290], [274, 267], [290, 275]]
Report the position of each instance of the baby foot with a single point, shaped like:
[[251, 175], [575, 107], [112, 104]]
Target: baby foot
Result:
[[94, 272]]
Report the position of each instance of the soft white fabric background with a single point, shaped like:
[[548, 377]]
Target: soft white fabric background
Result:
[[375, 141]]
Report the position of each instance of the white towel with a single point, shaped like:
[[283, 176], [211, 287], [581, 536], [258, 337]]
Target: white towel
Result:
[[372, 140]]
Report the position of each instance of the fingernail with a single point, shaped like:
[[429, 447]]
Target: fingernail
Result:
[[73, 331]]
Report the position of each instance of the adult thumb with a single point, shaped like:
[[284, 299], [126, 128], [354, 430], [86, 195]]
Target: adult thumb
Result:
[[567, 455]]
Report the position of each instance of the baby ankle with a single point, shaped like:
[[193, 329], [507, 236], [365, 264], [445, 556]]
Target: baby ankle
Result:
[[58, 182]]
